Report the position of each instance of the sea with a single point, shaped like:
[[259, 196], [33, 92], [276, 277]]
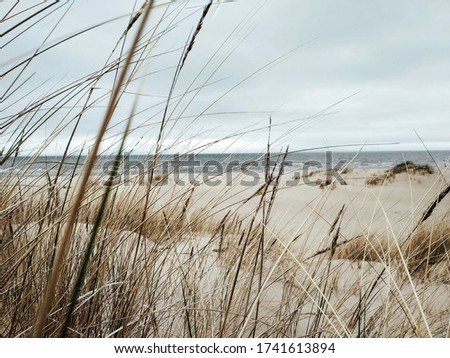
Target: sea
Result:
[[213, 162]]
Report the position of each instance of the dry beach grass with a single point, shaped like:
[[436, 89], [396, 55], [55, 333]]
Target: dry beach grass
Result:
[[87, 256], [183, 271]]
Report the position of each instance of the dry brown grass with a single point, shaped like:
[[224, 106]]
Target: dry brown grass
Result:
[[146, 262], [138, 286], [407, 167], [157, 177], [428, 247], [375, 179], [363, 248]]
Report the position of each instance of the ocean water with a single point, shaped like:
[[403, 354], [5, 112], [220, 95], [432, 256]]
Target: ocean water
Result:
[[221, 162]]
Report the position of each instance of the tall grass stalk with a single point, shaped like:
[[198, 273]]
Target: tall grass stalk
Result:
[[126, 255], [65, 240]]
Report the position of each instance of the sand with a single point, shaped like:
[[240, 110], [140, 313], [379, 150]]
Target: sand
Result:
[[392, 208], [306, 212]]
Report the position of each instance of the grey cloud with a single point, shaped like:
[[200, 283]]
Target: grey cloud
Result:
[[393, 54]]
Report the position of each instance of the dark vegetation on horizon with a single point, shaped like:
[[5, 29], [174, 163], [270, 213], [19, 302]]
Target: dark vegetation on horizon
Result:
[[407, 167]]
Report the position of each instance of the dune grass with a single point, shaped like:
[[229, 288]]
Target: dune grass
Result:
[[206, 273], [406, 167], [427, 247], [89, 256]]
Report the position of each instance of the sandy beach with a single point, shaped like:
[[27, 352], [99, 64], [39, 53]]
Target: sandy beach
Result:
[[327, 244], [224, 169]]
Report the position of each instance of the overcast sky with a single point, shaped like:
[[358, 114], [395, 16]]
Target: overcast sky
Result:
[[347, 72]]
